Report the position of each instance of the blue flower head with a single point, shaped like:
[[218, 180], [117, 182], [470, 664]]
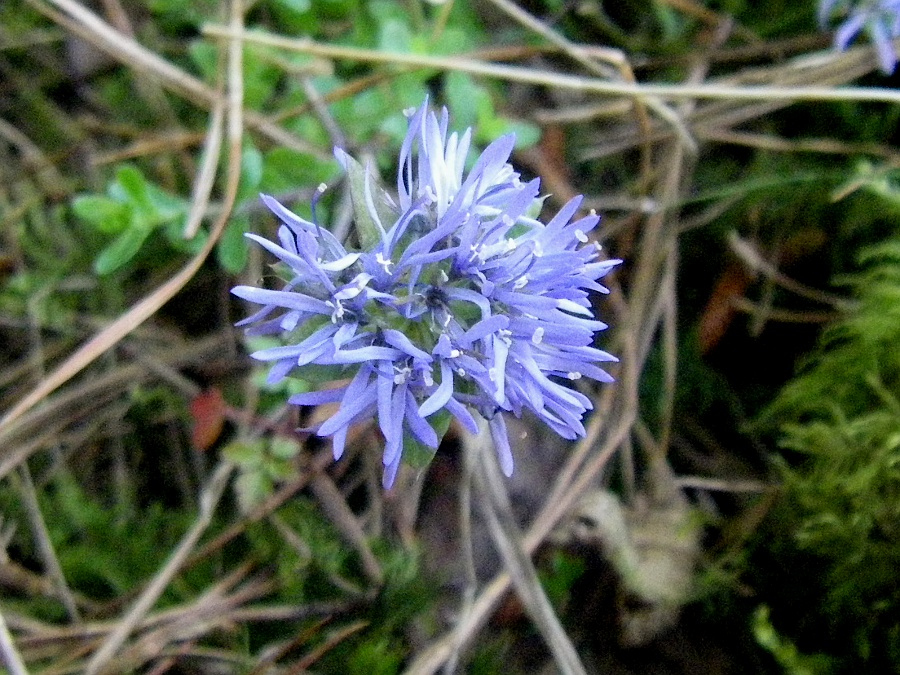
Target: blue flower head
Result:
[[458, 303], [879, 18]]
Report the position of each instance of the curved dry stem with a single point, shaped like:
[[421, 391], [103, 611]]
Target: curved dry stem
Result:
[[144, 309], [574, 82]]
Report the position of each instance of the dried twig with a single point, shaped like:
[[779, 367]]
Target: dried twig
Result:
[[712, 91], [8, 651], [508, 540], [208, 502]]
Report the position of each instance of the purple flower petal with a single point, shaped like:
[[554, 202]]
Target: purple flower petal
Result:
[[462, 414], [417, 424], [441, 395], [338, 441], [394, 448], [287, 299], [359, 396], [482, 329], [397, 339], [318, 397], [364, 354], [501, 443], [463, 277]]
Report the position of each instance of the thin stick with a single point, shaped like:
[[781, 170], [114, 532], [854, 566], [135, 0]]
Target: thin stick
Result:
[[81, 21], [467, 552], [620, 66], [508, 540], [208, 502], [430, 660], [144, 309], [564, 81], [8, 651], [45, 546], [206, 176], [340, 515]]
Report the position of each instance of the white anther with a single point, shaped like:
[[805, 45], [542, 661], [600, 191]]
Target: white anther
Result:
[[581, 236], [521, 282], [538, 335], [384, 262], [574, 375], [338, 310]]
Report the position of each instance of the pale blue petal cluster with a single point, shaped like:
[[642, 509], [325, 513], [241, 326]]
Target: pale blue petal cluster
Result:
[[466, 305], [879, 18]]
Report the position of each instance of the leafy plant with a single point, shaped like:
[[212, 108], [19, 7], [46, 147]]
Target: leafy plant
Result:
[[132, 210], [841, 418]]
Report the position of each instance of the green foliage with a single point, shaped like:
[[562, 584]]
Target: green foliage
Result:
[[365, 190], [103, 551], [558, 576], [133, 209], [405, 597], [261, 463], [320, 566], [841, 415], [472, 105], [784, 651]]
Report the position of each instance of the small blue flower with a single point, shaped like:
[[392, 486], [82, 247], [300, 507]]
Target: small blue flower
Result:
[[461, 302], [879, 18]]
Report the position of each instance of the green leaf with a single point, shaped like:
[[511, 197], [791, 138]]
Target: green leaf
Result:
[[395, 36], [527, 134], [261, 76], [465, 98], [251, 172], [298, 6], [279, 469], [205, 56], [232, 249], [121, 250], [166, 207], [315, 374], [284, 448], [244, 453], [284, 169], [134, 188], [370, 200], [418, 455], [151, 206], [105, 214], [174, 231], [252, 488], [455, 41]]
